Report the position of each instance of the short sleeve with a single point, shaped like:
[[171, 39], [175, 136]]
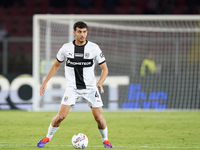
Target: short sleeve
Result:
[[60, 56], [100, 56]]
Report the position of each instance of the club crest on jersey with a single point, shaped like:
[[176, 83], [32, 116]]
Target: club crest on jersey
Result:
[[87, 55], [65, 99]]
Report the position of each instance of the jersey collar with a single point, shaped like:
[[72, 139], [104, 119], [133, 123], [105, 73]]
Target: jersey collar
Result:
[[81, 45]]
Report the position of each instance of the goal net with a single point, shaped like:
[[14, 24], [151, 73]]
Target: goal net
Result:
[[153, 61]]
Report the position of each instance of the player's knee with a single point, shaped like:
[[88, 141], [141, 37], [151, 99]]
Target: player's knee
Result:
[[99, 119], [60, 118]]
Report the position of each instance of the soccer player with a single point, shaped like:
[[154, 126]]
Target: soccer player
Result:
[[79, 57]]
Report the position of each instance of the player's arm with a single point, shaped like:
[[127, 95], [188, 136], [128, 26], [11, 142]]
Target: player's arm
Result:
[[103, 76], [52, 71]]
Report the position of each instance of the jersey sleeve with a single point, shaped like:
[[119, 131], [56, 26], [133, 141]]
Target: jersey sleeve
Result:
[[60, 56], [100, 56]]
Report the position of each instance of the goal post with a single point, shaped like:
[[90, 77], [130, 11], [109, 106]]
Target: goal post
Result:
[[153, 60]]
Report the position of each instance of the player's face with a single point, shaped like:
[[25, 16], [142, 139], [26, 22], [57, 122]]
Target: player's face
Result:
[[80, 34]]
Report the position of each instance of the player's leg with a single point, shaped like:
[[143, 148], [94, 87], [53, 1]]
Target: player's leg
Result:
[[97, 113], [54, 125], [69, 98], [102, 126], [95, 103]]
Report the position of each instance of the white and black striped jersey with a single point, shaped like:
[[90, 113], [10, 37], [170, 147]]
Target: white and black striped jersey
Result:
[[80, 63]]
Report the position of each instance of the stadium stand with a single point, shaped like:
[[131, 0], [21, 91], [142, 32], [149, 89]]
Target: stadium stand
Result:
[[16, 15], [23, 10]]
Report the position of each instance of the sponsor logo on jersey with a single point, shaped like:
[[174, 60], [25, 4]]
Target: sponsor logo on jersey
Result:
[[102, 55], [78, 54], [78, 63], [70, 54], [83, 62], [96, 94], [87, 55]]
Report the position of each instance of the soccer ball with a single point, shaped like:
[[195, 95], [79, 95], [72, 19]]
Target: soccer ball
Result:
[[79, 141]]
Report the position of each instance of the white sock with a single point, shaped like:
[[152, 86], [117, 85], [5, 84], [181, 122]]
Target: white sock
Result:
[[51, 131], [104, 134]]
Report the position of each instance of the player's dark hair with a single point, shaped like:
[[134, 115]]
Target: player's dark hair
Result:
[[80, 24]]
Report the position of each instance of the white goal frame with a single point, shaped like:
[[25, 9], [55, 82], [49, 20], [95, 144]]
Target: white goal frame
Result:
[[71, 18]]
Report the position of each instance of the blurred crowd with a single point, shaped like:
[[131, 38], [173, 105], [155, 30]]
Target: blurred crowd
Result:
[[23, 10], [16, 18], [102, 6]]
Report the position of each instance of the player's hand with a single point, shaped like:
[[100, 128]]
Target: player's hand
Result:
[[42, 89], [101, 87]]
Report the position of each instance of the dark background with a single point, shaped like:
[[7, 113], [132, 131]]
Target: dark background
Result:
[[16, 20]]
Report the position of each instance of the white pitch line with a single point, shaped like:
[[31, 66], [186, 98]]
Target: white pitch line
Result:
[[169, 147], [147, 147]]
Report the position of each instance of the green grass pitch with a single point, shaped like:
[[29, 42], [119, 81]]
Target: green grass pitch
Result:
[[21, 130]]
